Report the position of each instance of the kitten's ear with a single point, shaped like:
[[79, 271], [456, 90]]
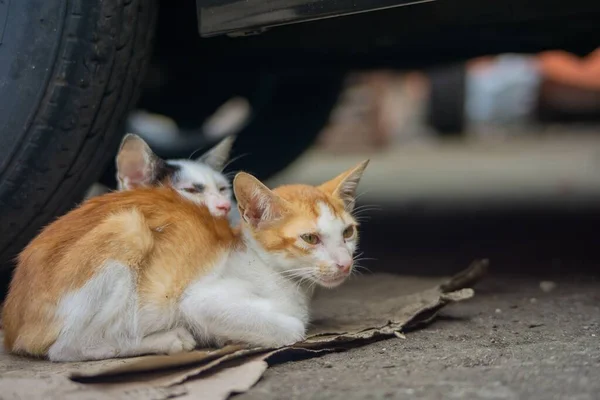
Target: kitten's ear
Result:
[[137, 165], [218, 155], [256, 202], [344, 185]]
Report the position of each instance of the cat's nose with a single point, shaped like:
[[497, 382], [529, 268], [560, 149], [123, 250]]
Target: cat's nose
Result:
[[224, 207], [344, 267]]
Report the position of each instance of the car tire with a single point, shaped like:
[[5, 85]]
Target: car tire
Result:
[[286, 124], [447, 99], [69, 73]]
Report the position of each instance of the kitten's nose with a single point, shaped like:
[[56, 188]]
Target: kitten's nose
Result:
[[345, 267], [224, 207]]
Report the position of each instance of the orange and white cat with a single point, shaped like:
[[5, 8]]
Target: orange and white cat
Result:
[[150, 270]]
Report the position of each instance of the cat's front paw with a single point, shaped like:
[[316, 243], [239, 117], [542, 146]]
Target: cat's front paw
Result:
[[100, 353], [291, 331], [181, 340]]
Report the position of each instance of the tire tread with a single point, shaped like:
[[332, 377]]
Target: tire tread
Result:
[[76, 128]]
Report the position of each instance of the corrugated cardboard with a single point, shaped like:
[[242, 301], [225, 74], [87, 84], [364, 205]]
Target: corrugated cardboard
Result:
[[366, 309]]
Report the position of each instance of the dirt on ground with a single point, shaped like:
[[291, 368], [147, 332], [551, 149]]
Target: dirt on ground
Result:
[[512, 341]]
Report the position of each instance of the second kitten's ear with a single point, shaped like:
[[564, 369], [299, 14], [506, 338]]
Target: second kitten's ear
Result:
[[218, 155], [256, 202], [344, 185], [137, 165]]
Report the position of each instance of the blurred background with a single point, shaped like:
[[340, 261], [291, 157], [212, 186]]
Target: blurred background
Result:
[[481, 122], [495, 156]]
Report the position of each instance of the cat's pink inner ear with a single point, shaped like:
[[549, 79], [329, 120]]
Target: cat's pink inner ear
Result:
[[136, 162], [252, 216], [257, 203], [134, 174], [137, 177]]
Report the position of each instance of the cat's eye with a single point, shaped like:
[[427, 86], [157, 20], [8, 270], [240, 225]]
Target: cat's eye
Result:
[[198, 188], [223, 189], [349, 232], [311, 238]]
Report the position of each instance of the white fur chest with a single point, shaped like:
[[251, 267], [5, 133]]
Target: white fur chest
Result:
[[244, 300]]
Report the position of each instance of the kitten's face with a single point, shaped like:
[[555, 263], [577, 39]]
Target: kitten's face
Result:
[[202, 184], [199, 180], [307, 232]]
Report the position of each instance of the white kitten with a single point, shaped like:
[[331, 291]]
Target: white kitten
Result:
[[201, 180]]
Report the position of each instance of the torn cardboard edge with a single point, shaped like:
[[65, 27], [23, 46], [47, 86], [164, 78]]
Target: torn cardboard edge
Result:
[[163, 371]]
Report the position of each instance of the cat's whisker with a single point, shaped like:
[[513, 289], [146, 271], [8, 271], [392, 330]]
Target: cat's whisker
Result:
[[366, 208], [365, 259], [290, 276], [293, 276], [368, 205], [360, 268], [361, 194], [352, 203], [297, 270], [232, 160], [363, 214], [296, 277], [194, 152], [359, 257]]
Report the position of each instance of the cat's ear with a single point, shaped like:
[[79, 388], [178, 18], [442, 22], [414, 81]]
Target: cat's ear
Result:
[[218, 155], [344, 185], [137, 165], [257, 204]]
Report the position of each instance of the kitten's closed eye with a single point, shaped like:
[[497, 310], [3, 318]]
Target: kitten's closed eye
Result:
[[199, 188], [223, 189]]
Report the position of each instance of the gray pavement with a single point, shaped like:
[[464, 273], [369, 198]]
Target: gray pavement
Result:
[[513, 341]]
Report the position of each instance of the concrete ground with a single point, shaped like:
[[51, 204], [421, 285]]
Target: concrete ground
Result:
[[513, 341]]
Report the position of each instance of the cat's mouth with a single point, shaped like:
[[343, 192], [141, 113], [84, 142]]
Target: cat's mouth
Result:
[[219, 213], [331, 281]]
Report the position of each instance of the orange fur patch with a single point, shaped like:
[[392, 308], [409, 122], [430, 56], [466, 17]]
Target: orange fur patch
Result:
[[302, 202], [167, 240]]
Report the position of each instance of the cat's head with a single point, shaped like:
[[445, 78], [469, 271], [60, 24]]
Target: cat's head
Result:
[[200, 180], [308, 232]]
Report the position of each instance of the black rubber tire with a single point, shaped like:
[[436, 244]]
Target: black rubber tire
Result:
[[70, 70], [447, 99], [286, 124]]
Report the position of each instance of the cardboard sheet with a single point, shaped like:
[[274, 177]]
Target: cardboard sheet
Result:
[[365, 309]]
